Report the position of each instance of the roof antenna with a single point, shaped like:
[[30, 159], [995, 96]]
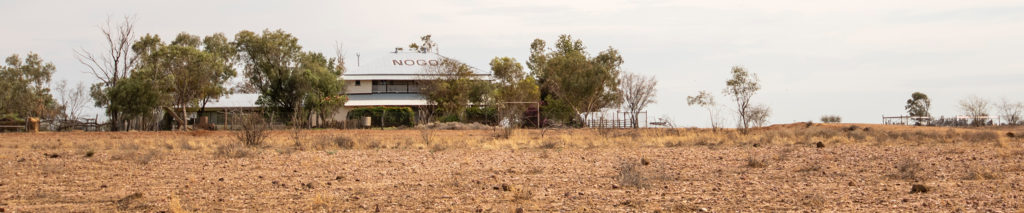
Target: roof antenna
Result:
[[357, 59]]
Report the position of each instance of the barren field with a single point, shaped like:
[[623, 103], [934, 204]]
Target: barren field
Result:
[[860, 168]]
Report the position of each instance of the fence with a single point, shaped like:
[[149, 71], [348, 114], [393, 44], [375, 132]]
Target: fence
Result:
[[618, 119]]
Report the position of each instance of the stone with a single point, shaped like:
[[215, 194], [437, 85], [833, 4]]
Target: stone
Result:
[[918, 188]]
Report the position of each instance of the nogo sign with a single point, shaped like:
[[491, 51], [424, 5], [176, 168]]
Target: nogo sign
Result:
[[417, 62]]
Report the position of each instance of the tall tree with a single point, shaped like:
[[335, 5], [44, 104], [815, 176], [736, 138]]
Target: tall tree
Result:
[[707, 100], [275, 64], [326, 93], [112, 64], [72, 99], [742, 87], [569, 76], [24, 87], [637, 92], [513, 89], [186, 74], [918, 106], [452, 87], [977, 108], [1011, 112]]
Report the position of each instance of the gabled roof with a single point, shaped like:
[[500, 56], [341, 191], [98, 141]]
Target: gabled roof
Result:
[[398, 66]]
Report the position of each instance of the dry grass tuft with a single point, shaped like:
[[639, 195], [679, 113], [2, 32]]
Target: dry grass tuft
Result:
[[233, 150], [909, 169], [344, 142], [631, 176], [756, 162], [979, 172]]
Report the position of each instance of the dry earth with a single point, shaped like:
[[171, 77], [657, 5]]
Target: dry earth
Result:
[[471, 170]]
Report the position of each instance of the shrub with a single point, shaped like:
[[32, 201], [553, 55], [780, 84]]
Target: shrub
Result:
[[233, 151], [449, 119], [756, 162], [483, 115], [253, 130], [909, 169], [344, 142], [393, 116], [831, 119], [630, 174]]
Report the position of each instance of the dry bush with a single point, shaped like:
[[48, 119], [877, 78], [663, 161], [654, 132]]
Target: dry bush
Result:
[[427, 134], [981, 172], [551, 144], [631, 176], [909, 169], [814, 166], [756, 162], [981, 136], [253, 130], [454, 126], [136, 155], [233, 150], [519, 195], [344, 142]]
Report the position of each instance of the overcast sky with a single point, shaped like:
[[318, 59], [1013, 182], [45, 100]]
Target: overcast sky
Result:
[[856, 59]]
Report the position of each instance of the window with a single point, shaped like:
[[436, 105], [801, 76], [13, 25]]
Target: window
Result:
[[357, 83]]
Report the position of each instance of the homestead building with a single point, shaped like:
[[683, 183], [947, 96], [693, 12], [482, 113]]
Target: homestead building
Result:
[[390, 80]]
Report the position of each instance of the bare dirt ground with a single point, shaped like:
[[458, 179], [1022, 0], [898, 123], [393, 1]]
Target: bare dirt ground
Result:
[[472, 170]]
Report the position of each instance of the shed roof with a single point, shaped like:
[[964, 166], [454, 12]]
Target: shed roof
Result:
[[240, 100]]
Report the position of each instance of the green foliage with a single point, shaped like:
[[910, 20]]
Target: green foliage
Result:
[[742, 86], [570, 75], [135, 96], [831, 119], [394, 116], [452, 87], [285, 75], [484, 115], [512, 85], [184, 75], [449, 118], [24, 87], [918, 104], [556, 110]]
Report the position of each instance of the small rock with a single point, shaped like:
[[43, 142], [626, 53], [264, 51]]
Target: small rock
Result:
[[506, 187], [757, 145], [52, 155], [103, 186], [519, 210], [1010, 134], [497, 188], [21, 160], [615, 186], [918, 188], [703, 210], [220, 179], [337, 177], [644, 161], [851, 183], [819, 144]]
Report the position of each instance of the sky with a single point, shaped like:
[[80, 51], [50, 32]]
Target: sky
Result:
[[856, 59]]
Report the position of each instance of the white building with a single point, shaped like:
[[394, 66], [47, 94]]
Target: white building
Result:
[[391, 80], [387, 80]]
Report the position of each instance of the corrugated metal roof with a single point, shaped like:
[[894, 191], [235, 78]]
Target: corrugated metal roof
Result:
[[400, 63], [386, 100], [240, 100]]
